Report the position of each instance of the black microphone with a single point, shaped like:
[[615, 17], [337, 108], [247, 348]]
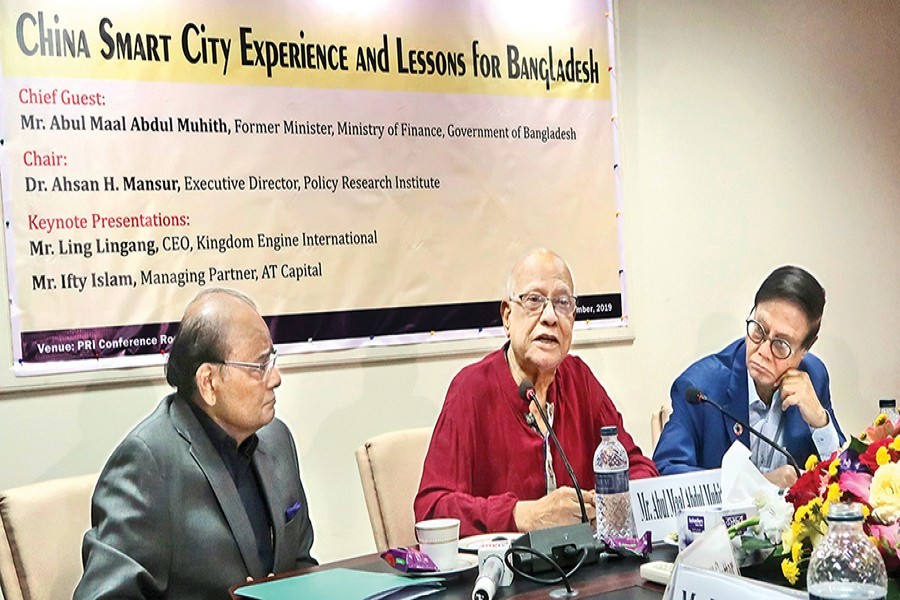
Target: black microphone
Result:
[[694, 395], [527, 393]]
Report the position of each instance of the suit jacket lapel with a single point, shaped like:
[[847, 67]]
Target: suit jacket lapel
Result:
[[736, 400], [220, 481], [795, 431], [264, 462]]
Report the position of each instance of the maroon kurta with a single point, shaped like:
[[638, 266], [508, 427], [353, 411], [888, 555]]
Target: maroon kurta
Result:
[[484, 457]]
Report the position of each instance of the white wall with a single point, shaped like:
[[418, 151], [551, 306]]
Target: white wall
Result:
[[754, 134]]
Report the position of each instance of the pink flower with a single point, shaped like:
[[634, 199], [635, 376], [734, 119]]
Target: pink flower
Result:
[[886, 540], [856, 484], [885, 533], [881, 429]]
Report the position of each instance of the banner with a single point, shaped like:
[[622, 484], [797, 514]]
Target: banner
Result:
[[366, 172]]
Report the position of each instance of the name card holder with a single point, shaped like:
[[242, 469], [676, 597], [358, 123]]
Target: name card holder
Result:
[[692, 583], [657, 501]]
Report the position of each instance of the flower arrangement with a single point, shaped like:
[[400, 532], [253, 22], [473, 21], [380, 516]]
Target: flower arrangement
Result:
[[866, 470]]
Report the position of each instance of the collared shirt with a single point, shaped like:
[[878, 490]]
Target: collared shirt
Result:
[[770, 422], [239, 463], [549, 473]]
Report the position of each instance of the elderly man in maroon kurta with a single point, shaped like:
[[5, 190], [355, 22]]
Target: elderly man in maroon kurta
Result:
[[491, 463]]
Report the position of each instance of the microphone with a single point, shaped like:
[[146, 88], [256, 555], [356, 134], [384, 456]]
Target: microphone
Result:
[[492, 569], [527, 393], [695, 396]]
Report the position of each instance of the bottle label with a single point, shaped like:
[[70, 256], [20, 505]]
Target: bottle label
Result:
[[611, 482]]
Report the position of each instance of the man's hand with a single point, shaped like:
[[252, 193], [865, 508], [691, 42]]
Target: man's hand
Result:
[[797, 390], [784, 477], [559, 507]]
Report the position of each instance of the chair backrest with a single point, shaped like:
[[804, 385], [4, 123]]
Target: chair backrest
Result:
[[40, 539], [658, 420], [390, 467]]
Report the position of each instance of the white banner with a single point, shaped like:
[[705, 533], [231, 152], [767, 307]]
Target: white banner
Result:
[[366, 172]]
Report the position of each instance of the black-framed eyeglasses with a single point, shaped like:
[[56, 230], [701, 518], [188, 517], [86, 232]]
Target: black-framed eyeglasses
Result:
[[263, 368], [532, 302], [781, 348]]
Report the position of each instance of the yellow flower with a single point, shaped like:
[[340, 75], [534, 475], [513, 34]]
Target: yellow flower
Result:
[[880, 419], [811, 462], [796, 549], [814, 507], [790, 570], [788, 537], [802, 513], [866, 511], [884, 496], [895, 445], [791, 536], [882, 456], [833, 467]]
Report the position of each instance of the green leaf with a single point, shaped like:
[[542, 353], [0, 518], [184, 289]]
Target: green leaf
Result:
[[857, 446], [893, 588], [749, 543]]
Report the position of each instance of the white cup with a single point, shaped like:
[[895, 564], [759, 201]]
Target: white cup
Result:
[[439, 539]]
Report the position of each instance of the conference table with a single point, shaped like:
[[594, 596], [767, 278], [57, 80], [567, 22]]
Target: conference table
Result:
[[611, 578]]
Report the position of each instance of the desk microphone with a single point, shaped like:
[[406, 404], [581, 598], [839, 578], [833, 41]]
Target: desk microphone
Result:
[[695, 396], [527, 393]]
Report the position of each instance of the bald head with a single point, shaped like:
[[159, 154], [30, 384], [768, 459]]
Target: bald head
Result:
[[537, 261], [203, 335]]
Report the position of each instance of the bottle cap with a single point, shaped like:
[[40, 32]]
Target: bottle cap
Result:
[[844, 512], [887, 403], [609, 430]]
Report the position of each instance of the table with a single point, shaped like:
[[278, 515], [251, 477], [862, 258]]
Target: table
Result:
[[612, 578]]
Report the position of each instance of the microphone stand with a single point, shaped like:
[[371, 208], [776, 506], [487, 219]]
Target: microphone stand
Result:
[[570, 544], [532, 397], [701, 397]]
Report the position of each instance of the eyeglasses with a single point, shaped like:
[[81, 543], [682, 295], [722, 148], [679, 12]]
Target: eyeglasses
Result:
[[533, 302], [263, 368], [781, 348]]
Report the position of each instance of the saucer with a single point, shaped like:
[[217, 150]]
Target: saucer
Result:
[[464, 563], [472, 543]]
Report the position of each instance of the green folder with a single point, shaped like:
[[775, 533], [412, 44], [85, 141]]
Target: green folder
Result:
[[341, 584]]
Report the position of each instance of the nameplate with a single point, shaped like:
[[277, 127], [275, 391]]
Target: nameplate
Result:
[[656, 501], [691, 583]]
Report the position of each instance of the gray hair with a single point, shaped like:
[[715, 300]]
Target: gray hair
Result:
[[201, 338]]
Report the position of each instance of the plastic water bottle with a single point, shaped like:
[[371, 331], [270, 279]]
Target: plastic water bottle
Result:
[[846, 564], [888, 406], [614, 517]]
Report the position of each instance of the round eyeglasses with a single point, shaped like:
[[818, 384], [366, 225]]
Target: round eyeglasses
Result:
[[263, 368], [532, 302], [781, 348]]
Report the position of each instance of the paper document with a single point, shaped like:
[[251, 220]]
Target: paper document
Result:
[[342, 584]]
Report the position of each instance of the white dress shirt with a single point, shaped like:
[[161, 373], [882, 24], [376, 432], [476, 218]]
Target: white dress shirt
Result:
[[769, 421]]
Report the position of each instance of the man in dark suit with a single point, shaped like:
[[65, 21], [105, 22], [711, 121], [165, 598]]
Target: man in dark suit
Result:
[[206, 491], [768, 379]]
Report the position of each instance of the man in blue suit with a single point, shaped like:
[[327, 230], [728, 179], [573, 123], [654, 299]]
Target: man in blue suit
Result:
[[768, 379]]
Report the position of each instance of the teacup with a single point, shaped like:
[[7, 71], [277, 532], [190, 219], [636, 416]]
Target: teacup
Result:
[[439, 539]]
